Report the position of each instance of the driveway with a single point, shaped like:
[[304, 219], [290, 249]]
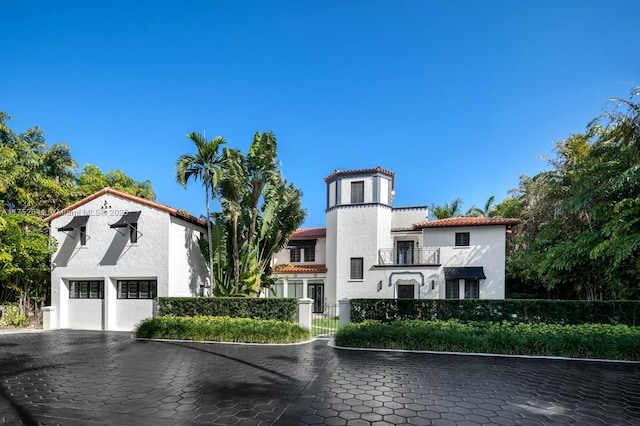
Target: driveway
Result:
[[80, 377]]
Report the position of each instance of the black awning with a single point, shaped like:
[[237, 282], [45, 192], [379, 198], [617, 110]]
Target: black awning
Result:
[[126, 220], [76, 223], [301, 244], [467, 273]]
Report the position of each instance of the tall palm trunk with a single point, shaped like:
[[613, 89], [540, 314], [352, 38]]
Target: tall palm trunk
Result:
[[211, 284]]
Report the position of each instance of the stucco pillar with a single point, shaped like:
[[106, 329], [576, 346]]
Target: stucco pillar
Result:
[[305, 308], [344, 311], [285, 286], [49, 318], [305, 283]]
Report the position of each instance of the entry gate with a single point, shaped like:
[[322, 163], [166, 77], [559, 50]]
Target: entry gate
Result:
[[325, 321]]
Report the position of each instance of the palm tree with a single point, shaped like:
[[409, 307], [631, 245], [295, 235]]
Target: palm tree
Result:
[[488, 210], [204, 165], [448, 209]]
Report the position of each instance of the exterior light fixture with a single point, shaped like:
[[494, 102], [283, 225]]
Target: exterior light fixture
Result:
[[433, 284]]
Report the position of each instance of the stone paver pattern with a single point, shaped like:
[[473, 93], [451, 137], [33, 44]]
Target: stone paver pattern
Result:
[[89, 378]]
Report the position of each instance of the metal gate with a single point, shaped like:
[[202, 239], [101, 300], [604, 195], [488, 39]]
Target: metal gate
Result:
[[325, 322]]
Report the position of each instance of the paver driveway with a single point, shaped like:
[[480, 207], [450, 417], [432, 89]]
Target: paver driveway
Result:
[[79, 377]]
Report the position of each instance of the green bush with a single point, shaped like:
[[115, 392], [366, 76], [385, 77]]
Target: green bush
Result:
[[222, 329], [234, 307], [11, 315], [515, 311], [577, 341]]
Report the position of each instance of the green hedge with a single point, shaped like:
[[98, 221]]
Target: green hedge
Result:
[[222, 329], [235, 307], [515, 311]]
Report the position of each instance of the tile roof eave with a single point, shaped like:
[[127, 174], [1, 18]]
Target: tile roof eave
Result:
[[107, 190]]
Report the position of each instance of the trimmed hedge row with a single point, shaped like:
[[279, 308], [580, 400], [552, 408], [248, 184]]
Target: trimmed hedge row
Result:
[[569, 312], [235, 307]]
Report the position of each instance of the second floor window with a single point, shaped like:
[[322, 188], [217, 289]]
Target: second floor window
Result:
[[357, 192], [294, 254], [462, 239], [309, 254], [357, 268]]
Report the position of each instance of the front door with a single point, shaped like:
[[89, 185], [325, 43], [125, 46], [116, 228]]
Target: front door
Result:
[[405, 253], [406, 291], [316, 292]]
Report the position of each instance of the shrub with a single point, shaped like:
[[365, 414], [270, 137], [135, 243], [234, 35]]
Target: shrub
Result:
[[11, 315], [515, 311], [235, 307], [221, 329], [577, 341]]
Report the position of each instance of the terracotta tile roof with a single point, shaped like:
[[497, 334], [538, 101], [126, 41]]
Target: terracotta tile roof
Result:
[[299, 269], [172, 211], [466, 221], [304, 233], [377, 169]]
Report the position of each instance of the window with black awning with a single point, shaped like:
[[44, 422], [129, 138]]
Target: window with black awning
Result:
[[79, 223], [465, 273], [76, 223], [129, 220], [126, 220]]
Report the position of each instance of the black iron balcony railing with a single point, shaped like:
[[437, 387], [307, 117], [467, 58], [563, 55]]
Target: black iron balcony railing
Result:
[[419, 256]]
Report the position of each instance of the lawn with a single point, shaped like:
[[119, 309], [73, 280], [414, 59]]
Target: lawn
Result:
[[324, 326]]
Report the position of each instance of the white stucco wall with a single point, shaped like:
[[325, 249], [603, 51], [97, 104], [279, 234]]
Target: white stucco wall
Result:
[[283, 256], [187, 267], [486, 248], [109, 256], [405, 217]]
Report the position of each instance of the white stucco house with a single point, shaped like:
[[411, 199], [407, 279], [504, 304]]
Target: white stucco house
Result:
[[116, 253], [371, 249]]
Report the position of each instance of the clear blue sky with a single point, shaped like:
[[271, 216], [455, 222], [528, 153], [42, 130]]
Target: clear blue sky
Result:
[[459, 98]]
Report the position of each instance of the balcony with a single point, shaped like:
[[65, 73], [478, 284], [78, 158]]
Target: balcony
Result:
[[418, 256]]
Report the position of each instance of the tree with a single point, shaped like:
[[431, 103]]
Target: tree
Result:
[[580, 235], [205, 166], [91, 179], [448, 209], [488, 210], [260, 210]]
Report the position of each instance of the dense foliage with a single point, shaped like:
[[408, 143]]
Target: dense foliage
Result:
[[36, 180], [515, 311], [236, 307], [576, 341], [259, 210], [580, 232], [222, 329]]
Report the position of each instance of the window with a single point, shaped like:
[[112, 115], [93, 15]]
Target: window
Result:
[[471, 289], [133, 232], [86, 290], [357, 192], [294, 289], [138, 289], [357, 268], [462, 239], [452, 289], [309, 254], [83, 235], [278, 289], [294, 254]]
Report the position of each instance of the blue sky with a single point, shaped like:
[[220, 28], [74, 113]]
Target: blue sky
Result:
[[459, 98]]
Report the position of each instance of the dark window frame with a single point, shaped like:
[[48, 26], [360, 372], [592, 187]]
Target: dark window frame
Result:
[[133, 233], [86, 289], [471, 286], [463, 239], [452, 289], [357, 192], [356, 268], [309, 254], [83, 235], [295, 255], [134, 290]]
